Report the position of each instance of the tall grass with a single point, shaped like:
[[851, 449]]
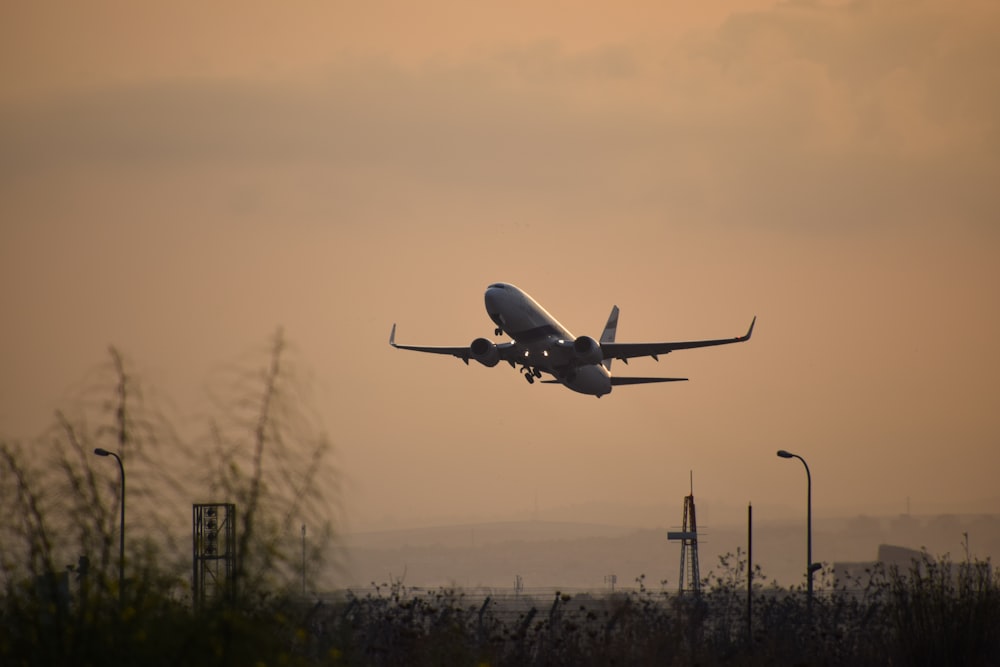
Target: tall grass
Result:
[[934, 613], [59, 529]]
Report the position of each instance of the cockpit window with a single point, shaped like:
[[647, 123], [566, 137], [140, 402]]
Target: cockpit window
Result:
[[498, 286]]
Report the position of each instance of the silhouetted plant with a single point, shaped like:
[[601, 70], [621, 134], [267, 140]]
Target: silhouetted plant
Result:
[[272, 458], [853, 623], [59, 531]]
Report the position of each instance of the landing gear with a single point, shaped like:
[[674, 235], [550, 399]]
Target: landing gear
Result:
[[530, 374], [498, 331]]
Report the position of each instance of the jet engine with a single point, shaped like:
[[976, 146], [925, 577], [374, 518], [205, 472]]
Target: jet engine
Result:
[[485, 352], [586, 350]]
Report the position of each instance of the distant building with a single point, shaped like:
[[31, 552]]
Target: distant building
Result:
[[856, 575], [901, 557]]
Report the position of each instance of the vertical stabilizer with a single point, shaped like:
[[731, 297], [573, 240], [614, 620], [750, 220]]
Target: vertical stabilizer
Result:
[[609, 332]]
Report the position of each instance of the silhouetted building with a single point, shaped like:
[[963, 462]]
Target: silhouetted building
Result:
[[857, 575]]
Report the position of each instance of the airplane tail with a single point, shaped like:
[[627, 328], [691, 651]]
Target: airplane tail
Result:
[[610, 329]]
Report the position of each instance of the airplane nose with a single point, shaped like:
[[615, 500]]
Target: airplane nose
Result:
[[494, 300], [495, 294]]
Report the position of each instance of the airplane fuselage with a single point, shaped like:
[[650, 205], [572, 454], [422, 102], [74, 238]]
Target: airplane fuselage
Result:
[[542, 342]]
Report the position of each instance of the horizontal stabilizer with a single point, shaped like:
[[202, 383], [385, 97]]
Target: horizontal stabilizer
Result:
[[615, 381]]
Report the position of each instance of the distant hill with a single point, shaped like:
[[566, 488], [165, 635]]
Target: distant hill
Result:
[[480, 534], [581, 555]]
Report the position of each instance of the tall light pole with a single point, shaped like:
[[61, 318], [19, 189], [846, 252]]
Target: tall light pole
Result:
[[121, 532], [810, 565]]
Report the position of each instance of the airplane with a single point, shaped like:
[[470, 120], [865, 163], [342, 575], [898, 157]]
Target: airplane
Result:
[[541, 345]]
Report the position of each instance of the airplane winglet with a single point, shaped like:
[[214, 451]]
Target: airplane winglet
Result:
[[392, 335], [749, 331]]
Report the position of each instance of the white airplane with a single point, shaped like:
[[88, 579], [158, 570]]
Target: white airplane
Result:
[[542, 345]]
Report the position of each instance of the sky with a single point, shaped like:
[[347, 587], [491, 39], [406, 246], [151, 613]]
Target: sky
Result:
[[181, 179]]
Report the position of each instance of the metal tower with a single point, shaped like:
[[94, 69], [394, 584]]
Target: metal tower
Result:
[[690, 578], [214, 548]]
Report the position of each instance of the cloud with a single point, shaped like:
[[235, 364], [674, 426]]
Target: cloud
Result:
[[911, 74], [805, 116]]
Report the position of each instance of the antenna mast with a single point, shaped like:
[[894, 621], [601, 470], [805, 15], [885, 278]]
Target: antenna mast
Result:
[[690, 578], [214, 552]]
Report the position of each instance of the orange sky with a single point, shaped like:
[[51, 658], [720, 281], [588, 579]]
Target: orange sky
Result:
[[180, 180]]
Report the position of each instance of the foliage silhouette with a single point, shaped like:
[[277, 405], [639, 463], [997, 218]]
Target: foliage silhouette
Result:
[[59, 530]]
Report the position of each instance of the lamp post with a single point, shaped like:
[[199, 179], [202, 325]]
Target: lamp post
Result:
[[121, 532], [810, 565]]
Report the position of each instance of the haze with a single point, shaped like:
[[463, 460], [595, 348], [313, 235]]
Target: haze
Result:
[[180, 179]]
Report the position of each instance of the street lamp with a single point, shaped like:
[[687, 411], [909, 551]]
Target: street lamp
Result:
[[810, 565], [121, 535]]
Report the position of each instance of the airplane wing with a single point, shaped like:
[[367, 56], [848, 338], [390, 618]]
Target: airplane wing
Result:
[[464, 352], [626, 351], [617, 381]]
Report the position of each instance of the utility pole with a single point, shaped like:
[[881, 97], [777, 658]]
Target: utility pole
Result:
[[121, 534], [811, 567], [750, 575]]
